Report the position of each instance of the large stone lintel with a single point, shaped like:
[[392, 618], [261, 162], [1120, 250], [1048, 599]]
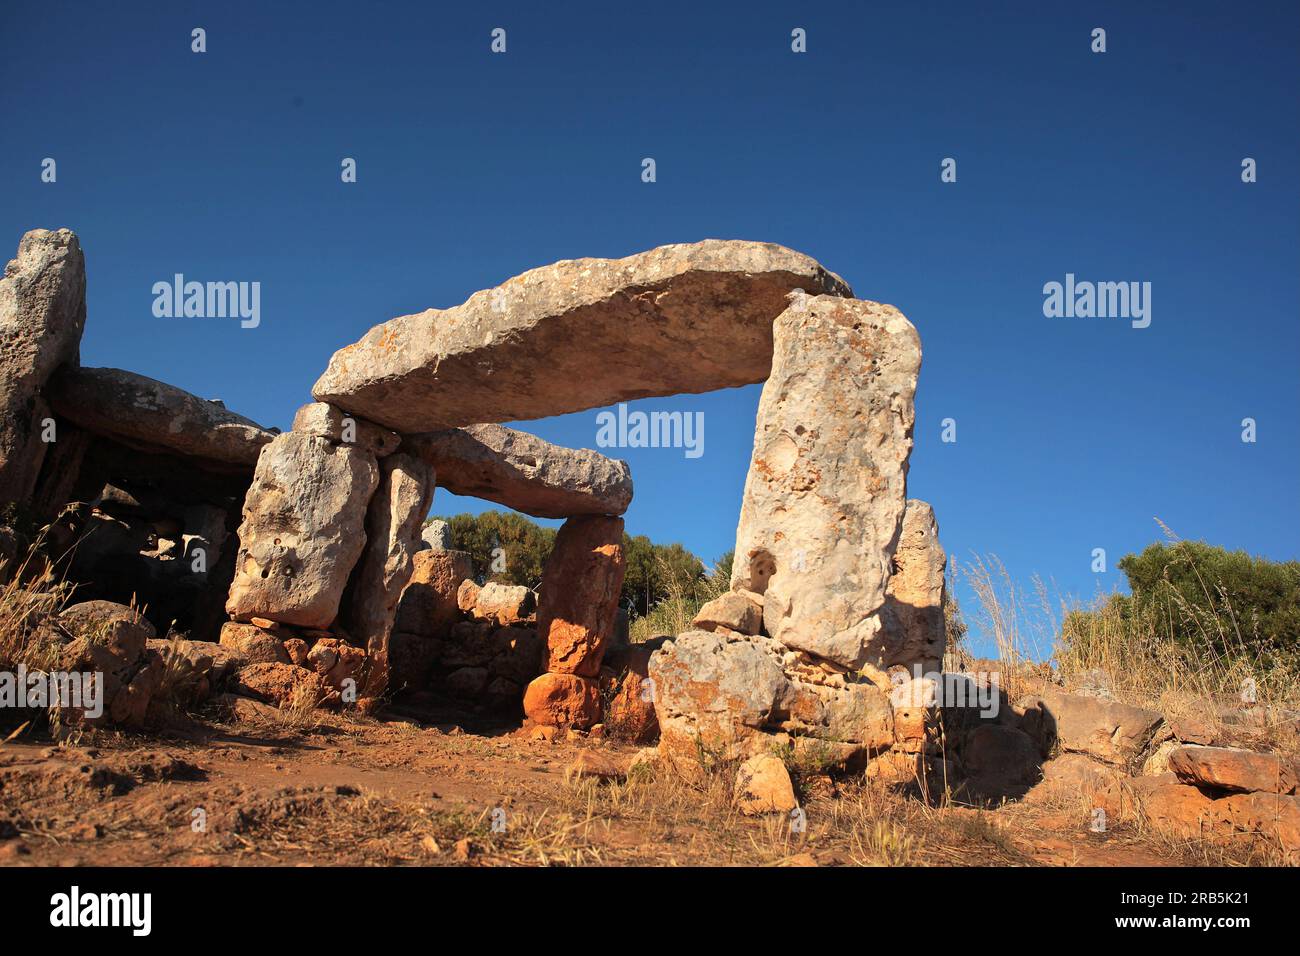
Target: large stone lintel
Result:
[[578, 334], [525, 472], [154, 416]]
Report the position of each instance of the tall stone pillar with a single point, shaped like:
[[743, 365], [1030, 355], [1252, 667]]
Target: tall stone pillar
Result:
[[42, 314], [393, 523], [576, 612]]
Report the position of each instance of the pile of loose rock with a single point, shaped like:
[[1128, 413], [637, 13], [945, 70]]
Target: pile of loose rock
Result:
[[1181, 776]]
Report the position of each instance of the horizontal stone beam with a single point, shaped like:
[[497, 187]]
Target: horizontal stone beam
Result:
[[154, 416], [579, 334], [523, 472]]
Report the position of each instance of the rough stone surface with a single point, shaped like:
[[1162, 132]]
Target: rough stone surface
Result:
[[467, 595], [715, 690], [826, 489], [1110, 731], [524, 472], [254, 644], [630, 711], [763, 786], [563, 700], [153, 416], [437, 533], [281, 684], [338, 427], [581, 583], [428, 606], [124, 631], [576, 335], [337, 662], [912, 632], [393, 523], [504, 604], [739, 611], [303, 530], [42, 313], [1226, 768]]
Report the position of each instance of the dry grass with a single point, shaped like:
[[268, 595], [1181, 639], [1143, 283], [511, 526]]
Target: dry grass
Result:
[[1132, 656], [674, 613]]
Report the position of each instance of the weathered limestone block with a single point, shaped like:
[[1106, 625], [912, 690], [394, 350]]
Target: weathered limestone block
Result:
[[524, 472], [715, 690], [393, 523], [912, 632], [153, 416], [739, 611], [1107, 730], [1229, 768], [825, 493], [576, 335], [428, 606], [503, 604], [336, 425], [253, 644], [581, 583], [42, 314], [303, 530]]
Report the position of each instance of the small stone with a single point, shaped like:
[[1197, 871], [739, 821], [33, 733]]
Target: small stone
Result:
[[763, 786]]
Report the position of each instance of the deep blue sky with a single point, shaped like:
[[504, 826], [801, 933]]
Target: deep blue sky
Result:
[[1072, 433]]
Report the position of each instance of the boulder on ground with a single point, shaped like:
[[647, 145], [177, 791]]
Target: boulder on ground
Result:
[[711, 694], [123, 630], [1116, 733], [563, 700], [1228, 768], [523, 472], [581, 583], [337, 662], [826, 489], [255, 645], [763, 786], [283, 685], [630, 709]]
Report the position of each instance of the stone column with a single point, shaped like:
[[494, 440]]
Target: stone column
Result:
[[393, 525], [576, 613], [304, 525], [913, 631], [42, 314], [826, 488]]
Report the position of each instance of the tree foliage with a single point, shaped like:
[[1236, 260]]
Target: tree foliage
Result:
[[1209, 595], [509, 548]]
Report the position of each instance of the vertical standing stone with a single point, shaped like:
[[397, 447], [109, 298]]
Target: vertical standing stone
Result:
[[393, 524], [303, 530], [913, 632], [825, 493], [581, 583], [42, 313]]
